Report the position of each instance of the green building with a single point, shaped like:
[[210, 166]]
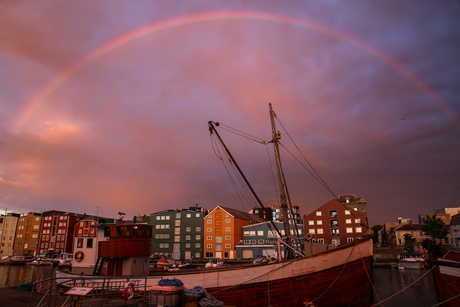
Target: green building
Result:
[[178, 233]]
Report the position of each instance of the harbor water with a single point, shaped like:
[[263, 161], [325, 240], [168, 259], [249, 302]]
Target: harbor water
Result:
[[387, 282]]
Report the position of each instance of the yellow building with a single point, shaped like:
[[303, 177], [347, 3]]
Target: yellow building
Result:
[[223, 230], [8, 224], [27, 234]]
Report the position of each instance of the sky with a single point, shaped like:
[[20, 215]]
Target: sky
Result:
[[104, 105]]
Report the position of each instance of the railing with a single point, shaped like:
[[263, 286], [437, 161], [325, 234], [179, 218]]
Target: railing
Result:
[[106, 291]]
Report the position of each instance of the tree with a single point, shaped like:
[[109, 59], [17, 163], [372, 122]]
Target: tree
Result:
[[434, 227], [376, 229], [409, 242]]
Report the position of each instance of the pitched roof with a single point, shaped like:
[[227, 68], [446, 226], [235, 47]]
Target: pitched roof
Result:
[[243, 215]]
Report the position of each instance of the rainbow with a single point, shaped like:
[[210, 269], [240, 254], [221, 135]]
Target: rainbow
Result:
[[39, 98]]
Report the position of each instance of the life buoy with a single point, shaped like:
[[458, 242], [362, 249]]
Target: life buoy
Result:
[[79, 256], [128, 293]]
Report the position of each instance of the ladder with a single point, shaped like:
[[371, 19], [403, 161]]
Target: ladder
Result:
[[98, 266]]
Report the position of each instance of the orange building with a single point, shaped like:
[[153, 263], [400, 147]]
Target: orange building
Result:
[[223, 230], [27, 234]]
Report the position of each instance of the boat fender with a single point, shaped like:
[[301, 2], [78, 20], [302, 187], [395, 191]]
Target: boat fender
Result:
[[128, 293], [79, 256]]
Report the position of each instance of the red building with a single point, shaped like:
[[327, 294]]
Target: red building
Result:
[[335, 223], [57, 231]]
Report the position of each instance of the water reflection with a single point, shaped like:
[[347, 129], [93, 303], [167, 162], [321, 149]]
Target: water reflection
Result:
[[13, 275], [389, 281]]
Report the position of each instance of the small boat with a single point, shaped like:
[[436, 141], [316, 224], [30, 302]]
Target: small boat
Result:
[[66, 260], [18, 260], [214, 263], [164, 264], [411, 261]]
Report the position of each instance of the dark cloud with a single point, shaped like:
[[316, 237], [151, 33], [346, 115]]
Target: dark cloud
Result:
[[128, 130]]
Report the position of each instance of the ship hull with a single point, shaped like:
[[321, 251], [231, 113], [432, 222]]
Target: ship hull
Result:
[[338, 277], [447, 278]]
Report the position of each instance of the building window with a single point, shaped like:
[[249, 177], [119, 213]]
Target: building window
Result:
[[358, 221], [177, 231], [198, 237], [358, 229], [89, 243], [177, 223], [198, 229], [218, 239], [178, 215], [319, 222], [347, 212], [188, 238], [335, 232], [318, 213], [349, 229], [209, 221], [312, 231], [197, 245], [176, 238], [349, 240], [187, 245], [227, 220], [311, 222], [218, 247], [189, 215], [333, 213], [227, 237], [334, 223], [188, 229], [227, 229], [158, 217], [228, 246], [260, 233], [79, 243], [209, 229], [209, 246], [209, 238], [348, 221]]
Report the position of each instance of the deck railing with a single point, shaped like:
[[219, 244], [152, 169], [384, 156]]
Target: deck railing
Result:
[[106, 291]]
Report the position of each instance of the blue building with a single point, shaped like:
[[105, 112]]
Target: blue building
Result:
[[262, 239]]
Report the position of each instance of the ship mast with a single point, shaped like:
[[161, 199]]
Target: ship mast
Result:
[[285, 200]]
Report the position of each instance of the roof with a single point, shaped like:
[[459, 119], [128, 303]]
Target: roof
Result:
[[241, 214]]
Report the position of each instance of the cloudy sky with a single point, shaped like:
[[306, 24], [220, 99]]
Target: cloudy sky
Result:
[[104, 105]]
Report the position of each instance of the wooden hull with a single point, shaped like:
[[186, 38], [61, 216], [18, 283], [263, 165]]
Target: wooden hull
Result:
[[447, 278], [338, 277]]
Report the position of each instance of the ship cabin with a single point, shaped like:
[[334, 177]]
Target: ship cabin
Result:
[[120, 249]]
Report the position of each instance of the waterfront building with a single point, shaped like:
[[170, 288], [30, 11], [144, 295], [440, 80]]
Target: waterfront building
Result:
[[8, 226], [335, 223], [294, 215], [27, 234], [398, 235], [264, 213], [223, 230], [178, 233], [57, 231], [444, 214], [356, 203], [262, 239]]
